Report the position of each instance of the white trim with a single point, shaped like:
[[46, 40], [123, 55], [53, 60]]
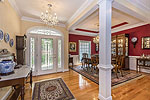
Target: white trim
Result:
[[84, 15], [30, 19], [76, 60], [139, 5], [65, 70], [84, 33], [103, 98], [128, 8], [24, 18], [79, 47], [134, 56], [105, 67], [44, 27], [127, 27], [14, 5], [28, 48], [80, 10], [112, 31]]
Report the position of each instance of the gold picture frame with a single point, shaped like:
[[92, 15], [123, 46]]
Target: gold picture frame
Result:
[[145, 42], [72, 46]]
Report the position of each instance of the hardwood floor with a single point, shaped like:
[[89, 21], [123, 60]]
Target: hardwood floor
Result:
[[84, 89]]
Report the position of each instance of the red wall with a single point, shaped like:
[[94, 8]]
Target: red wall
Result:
[[138, 32], [76, 38]]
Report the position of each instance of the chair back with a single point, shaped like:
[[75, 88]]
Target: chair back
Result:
[[94, 61], [120, 61], [84, 55]]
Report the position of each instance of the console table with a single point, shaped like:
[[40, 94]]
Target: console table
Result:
[[142, 63], [18, 78]]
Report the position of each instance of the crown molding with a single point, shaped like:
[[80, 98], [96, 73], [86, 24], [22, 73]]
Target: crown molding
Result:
[[101, 1], [127, 27], [14, 5], [129, 8], [139, 5], [24, 18], [80, 10], [83, 33]]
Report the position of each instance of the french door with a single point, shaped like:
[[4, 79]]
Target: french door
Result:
[[45, 54]]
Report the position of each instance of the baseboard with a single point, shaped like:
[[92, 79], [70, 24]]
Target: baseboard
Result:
[[103, 98], [65, 70]]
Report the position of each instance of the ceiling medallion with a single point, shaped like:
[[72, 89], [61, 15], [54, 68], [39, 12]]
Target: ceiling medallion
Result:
[[48, 17]]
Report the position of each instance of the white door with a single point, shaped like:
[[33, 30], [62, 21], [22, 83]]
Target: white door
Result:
[[45, 54]]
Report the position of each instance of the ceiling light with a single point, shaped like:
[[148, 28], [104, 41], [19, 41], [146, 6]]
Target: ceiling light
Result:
[[48, 17], [96, 39]]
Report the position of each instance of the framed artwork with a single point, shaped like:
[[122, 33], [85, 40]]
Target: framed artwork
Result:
[[146, 43], [96, 47], [72, 46]]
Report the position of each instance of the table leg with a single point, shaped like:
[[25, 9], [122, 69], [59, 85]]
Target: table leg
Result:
[[31, 78], [22, 92]]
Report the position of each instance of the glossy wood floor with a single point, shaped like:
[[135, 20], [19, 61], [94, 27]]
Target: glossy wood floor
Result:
[[84, 89]]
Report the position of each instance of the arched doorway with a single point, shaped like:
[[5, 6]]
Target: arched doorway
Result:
[[45, 50]]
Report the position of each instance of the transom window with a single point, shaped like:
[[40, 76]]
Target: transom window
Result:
[[45, 32]]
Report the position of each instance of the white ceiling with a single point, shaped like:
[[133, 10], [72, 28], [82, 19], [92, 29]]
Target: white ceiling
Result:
[[118, 17], [143, 4], [64, 8]]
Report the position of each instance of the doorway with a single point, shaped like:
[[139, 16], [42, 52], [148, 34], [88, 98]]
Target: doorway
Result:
[[45, 53]]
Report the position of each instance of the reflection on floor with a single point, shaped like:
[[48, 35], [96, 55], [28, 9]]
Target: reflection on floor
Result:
[[84, 89]]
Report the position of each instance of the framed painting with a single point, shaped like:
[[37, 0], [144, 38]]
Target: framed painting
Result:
[[72, 46], [145, 42]]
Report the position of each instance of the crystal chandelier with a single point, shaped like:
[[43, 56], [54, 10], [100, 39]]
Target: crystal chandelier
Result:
[[48, 18], [96, 39]]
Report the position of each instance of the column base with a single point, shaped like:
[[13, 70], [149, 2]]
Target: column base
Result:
[[103, 98]]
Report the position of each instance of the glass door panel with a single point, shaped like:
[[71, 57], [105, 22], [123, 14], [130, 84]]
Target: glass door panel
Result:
[[32, 53], [47, 54], [59, 53]]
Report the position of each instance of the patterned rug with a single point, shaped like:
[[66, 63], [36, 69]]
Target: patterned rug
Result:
[[54, 89], [127, 75]]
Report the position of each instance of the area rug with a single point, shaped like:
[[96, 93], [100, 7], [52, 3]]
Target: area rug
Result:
[[127, 75], [54, 89]]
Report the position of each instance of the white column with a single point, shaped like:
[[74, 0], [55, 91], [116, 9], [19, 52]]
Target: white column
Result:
[[105, 14]]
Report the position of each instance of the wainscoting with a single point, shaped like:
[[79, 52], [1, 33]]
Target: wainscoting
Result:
[[76, 59], [132, 62]]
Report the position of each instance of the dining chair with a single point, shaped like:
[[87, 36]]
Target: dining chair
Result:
[[84, 59], [119, 65], [94, 63]]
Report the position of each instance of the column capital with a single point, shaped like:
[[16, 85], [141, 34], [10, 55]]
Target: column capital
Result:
[[101, 1]]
